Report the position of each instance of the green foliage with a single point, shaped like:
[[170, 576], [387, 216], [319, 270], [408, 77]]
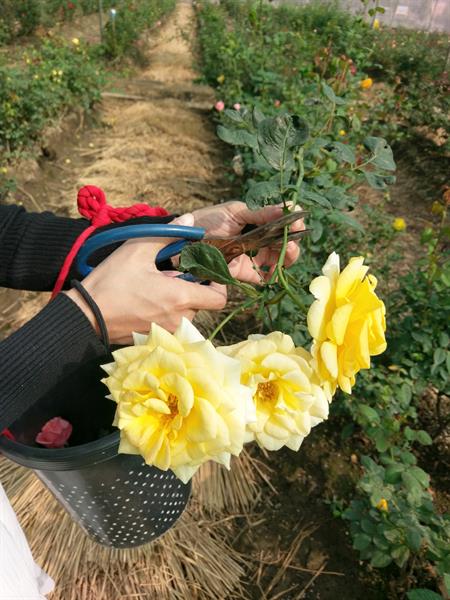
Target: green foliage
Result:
[[57, 75], [393, 516], [127, 22], [309, 62]]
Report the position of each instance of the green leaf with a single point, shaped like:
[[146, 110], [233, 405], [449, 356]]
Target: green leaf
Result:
[[378, 181], [205, 262], [361, 541], [439, 356], [413, 539], [380, 559], [356, 124], [343, 218], [343, 152], [329, 93], [424, 438], [234, 116], [257, 116], [381, 439], [369, 413], [237, 137], [278, 136], [393, 473], [423, 594], [447, 582], [315, 197], [382, 153], [420, 475], [262, 193]]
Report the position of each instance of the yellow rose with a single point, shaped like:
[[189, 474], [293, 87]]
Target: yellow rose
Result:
[[399, 224], [221, 79], [376, 24], [383, 505], [179, 401], [366, 83], [286, 392], [342, 132], [346, 321]]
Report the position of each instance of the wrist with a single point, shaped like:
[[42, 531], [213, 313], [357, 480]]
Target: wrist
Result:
[[78, 299]]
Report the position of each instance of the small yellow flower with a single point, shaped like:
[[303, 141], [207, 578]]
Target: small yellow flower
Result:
[[28, 61], [179, 401], [346, 321], [288, 398], [376, 24], [342, 132], [437, 208], [36, 76], [399, 224], [221, 79], [383, 505], [75, 41], [60, 73], [366, 83], [91, 145], [55, 73], [67, 161], [3, 170]]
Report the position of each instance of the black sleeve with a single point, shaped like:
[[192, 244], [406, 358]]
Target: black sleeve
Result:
[[33, 246], [39, 354]]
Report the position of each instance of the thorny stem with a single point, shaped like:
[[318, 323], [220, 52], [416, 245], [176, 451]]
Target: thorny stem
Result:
[[233, 313]]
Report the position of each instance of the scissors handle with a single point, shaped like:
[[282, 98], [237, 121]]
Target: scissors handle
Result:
[[120, 234]]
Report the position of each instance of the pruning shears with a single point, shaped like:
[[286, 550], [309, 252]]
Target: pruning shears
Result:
[[250, 240]]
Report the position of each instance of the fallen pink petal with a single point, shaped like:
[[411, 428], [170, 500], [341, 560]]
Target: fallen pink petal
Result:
[[55, 433]]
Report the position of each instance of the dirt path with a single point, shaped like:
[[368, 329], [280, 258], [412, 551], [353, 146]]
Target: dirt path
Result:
[[160, 149]]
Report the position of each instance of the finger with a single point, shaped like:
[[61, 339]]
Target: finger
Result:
[[154, 244], [245, 216], [200, 297], [244, 269]]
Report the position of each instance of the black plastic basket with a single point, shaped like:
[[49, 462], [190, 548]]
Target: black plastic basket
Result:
[[117, 499]]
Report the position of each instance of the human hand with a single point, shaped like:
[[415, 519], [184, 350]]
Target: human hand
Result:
[[229, 219], [131, 293]]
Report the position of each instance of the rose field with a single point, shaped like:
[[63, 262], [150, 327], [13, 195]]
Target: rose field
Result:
[[312, 414]]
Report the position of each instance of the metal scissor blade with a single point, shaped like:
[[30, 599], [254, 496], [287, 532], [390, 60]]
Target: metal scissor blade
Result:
[[269, 234]]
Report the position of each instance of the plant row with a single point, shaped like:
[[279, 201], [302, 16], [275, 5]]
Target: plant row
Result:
[[312, 70], [55, 75]]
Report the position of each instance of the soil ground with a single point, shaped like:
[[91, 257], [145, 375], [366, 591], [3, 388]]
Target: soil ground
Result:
[[152, 140]]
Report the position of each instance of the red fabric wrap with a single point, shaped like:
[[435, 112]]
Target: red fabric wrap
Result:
[[92, 204]]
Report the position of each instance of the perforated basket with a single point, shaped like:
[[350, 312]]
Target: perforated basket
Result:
[[117, 499]]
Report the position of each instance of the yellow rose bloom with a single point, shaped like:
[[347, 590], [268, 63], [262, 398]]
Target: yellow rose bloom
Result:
[[376, 24], [288, 398], [383, 505], [346, 321], [221, 79], [179, 401], [366, 83], [342, 132], [399, 224]]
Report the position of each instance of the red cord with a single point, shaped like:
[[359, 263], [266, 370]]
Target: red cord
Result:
[[92, 205]]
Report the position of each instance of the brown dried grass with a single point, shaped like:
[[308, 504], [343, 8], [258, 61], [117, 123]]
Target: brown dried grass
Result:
[[192, 560]]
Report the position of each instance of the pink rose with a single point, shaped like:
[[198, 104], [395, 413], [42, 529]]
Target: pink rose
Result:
[[55, 433], [277, 103], [237, 106], [219, 106]]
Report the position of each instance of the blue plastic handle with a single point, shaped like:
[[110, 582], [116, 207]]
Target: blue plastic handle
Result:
[[120, 234]]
